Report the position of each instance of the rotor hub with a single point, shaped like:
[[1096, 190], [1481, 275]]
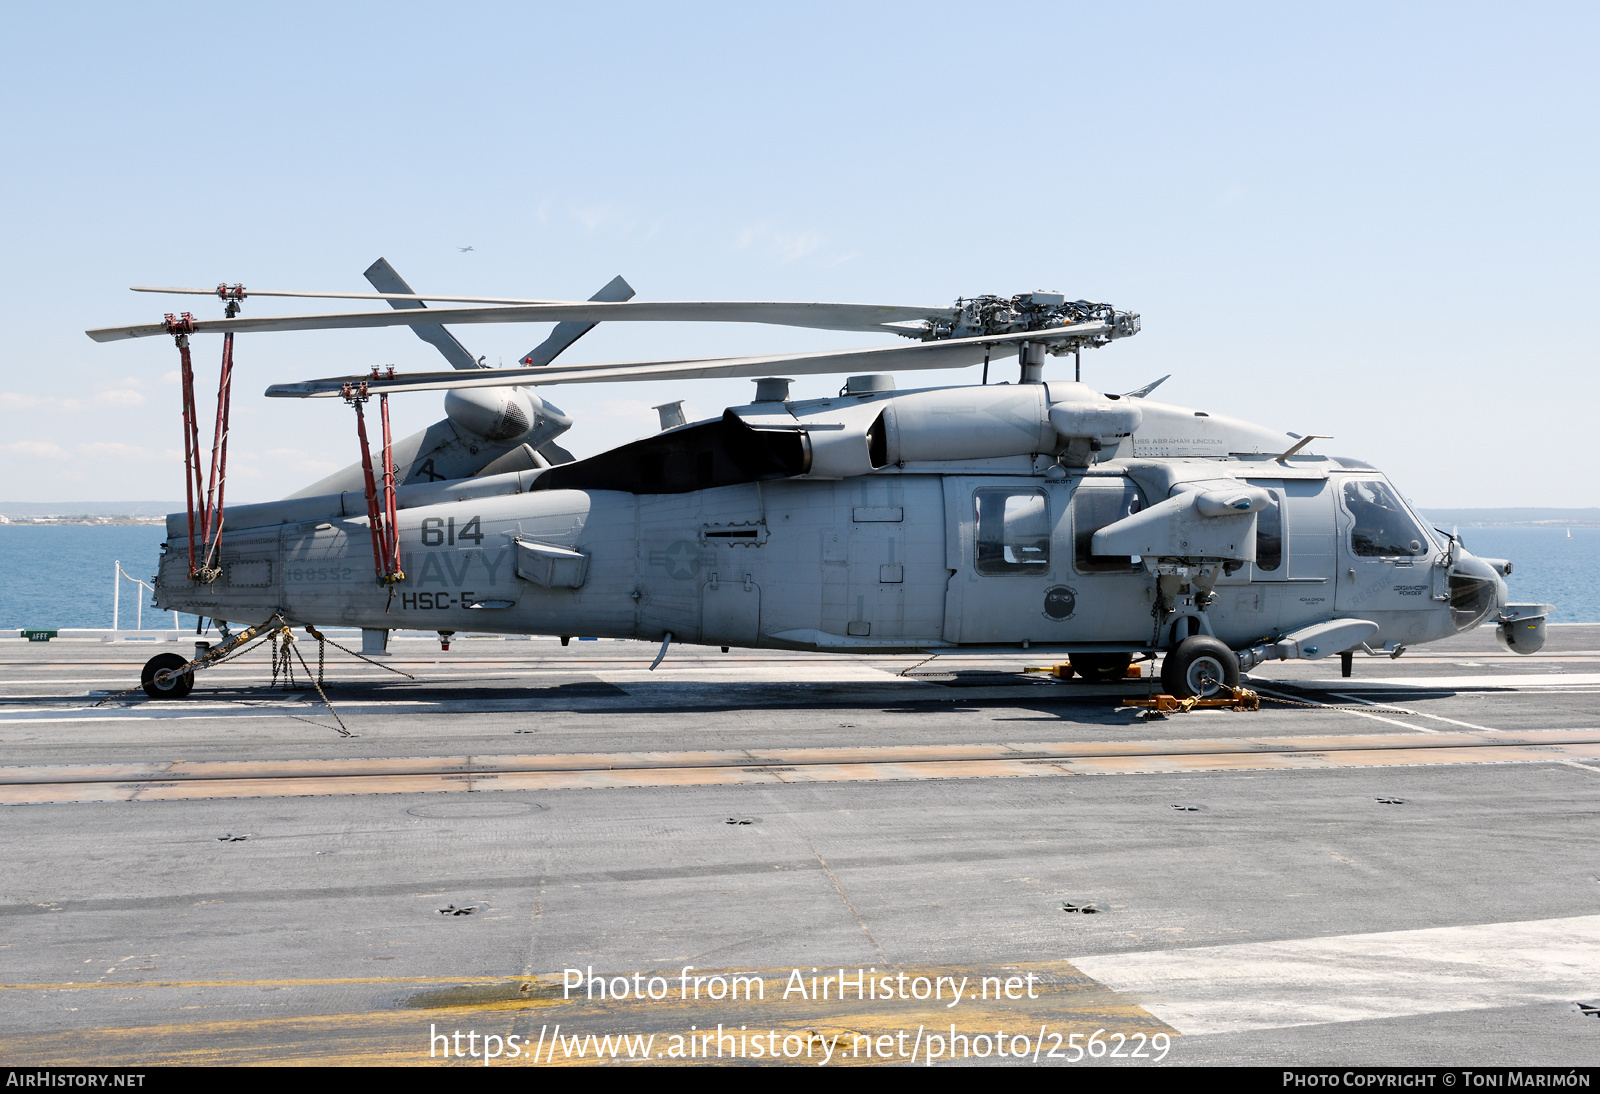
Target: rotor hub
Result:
[[1036, 311]]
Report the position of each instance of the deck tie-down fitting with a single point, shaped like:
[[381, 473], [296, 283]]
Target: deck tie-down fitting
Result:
[[1237, 699], [1063, 670]]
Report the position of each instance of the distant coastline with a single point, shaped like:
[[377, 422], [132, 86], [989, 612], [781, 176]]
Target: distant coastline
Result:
[[1514, 518], [87, 512], [81, 519]]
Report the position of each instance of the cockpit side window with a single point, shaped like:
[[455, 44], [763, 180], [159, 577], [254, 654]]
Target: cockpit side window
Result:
[[1013, 532], [1380, 524]]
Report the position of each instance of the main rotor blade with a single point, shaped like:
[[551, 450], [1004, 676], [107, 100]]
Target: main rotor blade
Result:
[[862, 317], [950, 353], [380, 295], [385, 278], [615, 291]]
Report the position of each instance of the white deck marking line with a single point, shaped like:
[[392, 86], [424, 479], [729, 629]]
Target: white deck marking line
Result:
[[1443, 656], [1458, 722], [1448, 683], [692, 673], [1501, 693], [1352, 978], [1580, 766], [1340, 710], [1370, 703], [1422, 714]]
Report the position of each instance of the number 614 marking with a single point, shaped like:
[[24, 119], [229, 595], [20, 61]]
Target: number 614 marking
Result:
[[440, 532]]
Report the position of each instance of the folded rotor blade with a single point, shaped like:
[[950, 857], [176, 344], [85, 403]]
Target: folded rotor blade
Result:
[[951, 353], [616, 290], [386, 279], [863, 317]]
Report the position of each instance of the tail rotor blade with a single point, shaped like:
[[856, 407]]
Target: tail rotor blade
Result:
[[1141, 392]]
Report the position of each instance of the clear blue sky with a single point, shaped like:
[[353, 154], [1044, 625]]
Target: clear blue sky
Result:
[[1371, 221]]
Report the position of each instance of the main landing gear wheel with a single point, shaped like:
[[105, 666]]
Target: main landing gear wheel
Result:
[[1199, 668], [1102, 668], [171, 687]]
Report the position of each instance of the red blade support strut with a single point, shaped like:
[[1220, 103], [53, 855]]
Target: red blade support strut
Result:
[[219, 457], [205, 500], [382, 513]]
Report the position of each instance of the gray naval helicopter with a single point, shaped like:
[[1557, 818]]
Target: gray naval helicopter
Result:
[[1037, 514]]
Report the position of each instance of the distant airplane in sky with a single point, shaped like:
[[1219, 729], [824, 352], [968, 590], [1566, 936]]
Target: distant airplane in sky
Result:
[[464, 250]]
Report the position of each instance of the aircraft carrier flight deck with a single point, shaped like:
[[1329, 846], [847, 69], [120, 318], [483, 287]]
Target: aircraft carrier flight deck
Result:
[[1399, 867]]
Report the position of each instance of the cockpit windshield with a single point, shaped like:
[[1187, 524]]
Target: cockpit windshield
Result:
[[1381, 526]]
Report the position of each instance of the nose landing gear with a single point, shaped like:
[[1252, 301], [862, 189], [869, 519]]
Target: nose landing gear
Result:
[[1201, 667]]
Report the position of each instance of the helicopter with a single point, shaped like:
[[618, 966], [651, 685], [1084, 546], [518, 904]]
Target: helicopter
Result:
[[1040, 514]]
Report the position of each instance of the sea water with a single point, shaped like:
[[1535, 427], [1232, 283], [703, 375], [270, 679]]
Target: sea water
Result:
[[1547, 567], [60, 575]]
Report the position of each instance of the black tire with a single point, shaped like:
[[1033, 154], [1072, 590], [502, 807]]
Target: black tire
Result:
[[173, 687], [1201, 667], [1102, 668]]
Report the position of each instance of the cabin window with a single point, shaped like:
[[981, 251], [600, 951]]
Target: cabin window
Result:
[[1093, 508], [1013, 532], [1380, 524], [1269, 534]]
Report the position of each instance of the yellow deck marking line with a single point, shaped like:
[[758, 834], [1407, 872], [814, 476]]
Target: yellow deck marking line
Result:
[[768, 757], [186, 780], [1066, 1002]]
